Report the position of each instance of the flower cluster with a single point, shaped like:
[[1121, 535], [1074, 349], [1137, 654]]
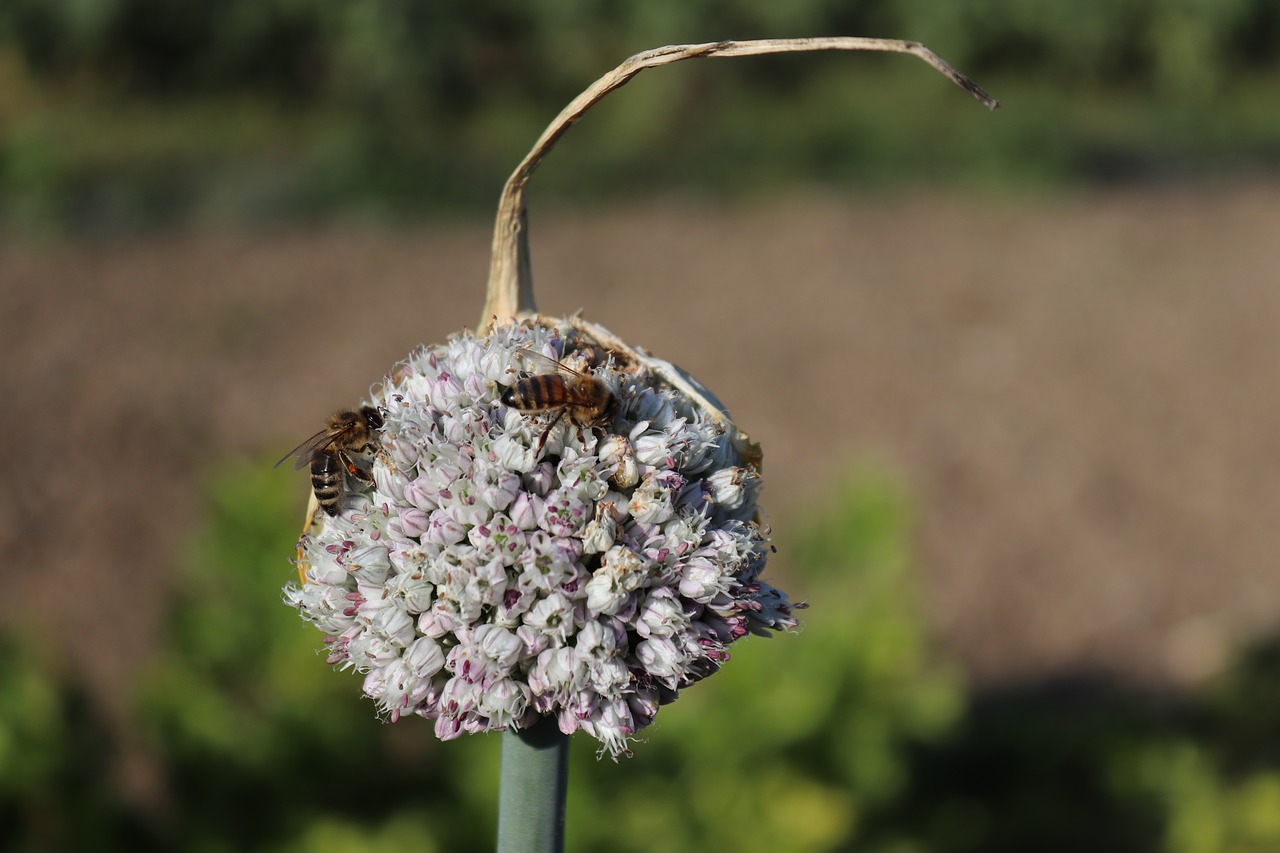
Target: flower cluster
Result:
[[508, 564]]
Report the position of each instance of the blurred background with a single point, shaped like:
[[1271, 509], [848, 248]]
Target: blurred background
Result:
[[1014, 375]]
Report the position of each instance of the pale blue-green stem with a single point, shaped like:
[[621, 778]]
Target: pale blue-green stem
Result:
[[535, 772]]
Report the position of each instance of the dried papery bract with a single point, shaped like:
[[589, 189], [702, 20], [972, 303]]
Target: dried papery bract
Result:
[[510, 291], [516, 569]]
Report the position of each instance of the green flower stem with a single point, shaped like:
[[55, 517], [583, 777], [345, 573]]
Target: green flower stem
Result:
[[535, 772]]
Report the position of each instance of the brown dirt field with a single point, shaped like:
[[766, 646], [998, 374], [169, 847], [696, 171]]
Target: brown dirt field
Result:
[[1080, 394]]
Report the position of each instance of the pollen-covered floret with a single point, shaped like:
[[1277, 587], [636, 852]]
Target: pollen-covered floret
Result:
[[484, 580]]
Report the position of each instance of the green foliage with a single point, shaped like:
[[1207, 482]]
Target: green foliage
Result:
[[55, 756], [849, 736], [119, 113]]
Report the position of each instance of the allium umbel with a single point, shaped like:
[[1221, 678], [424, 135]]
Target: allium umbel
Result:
[[484, 580]]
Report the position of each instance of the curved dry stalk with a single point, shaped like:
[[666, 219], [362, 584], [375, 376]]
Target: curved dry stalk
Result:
[[510, 289]]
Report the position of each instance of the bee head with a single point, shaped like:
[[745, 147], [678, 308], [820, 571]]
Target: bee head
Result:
[[372, 417]]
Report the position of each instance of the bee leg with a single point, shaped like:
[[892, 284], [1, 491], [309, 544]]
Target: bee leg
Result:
[[546, 432], [353, 469], [313, 506]]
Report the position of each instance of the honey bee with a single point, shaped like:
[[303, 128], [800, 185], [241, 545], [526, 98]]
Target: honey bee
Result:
[[585, 399], [329, 452]]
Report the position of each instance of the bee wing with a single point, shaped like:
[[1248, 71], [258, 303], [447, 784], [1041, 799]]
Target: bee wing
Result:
[[304, 450], [528, 351]]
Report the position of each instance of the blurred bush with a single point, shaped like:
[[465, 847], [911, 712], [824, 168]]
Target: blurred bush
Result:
[[56, 758], [848, 736], [125, 113]]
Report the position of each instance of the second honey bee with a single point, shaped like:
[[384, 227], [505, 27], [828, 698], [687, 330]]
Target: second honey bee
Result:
[[586, 400], [330, 453]]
